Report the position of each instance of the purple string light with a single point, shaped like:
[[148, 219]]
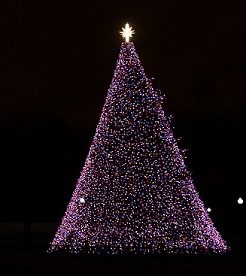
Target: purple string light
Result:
[[135, 194]]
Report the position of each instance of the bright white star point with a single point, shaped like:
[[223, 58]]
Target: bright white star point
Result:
[[127, 32]]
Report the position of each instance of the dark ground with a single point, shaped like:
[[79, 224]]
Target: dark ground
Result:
[[26, 255], [40, 264]]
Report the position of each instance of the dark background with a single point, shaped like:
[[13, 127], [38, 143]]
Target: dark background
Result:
[[57, 60]]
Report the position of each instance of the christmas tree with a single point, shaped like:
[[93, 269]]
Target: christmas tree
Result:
[[135, 193]]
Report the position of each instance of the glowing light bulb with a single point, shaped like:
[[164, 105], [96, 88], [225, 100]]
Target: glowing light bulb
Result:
[[127, 32], [209, 210], [82, 200], [240, 200]]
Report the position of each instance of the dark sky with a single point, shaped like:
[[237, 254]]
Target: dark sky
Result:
[[57, 60]]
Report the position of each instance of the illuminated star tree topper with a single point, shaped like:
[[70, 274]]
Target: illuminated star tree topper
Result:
[[127, 32]]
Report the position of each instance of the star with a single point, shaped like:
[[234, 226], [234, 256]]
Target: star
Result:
[[127, 32]]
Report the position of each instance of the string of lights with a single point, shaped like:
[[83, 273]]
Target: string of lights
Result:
[[135, 193]]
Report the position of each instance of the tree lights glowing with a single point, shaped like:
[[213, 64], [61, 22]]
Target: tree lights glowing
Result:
[[135, 194], [82, 200], [127, 32]]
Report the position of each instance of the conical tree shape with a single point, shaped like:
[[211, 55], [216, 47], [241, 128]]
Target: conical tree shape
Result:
[[135, 194]]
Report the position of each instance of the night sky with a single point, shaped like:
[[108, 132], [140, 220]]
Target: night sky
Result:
[[57, 61]]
